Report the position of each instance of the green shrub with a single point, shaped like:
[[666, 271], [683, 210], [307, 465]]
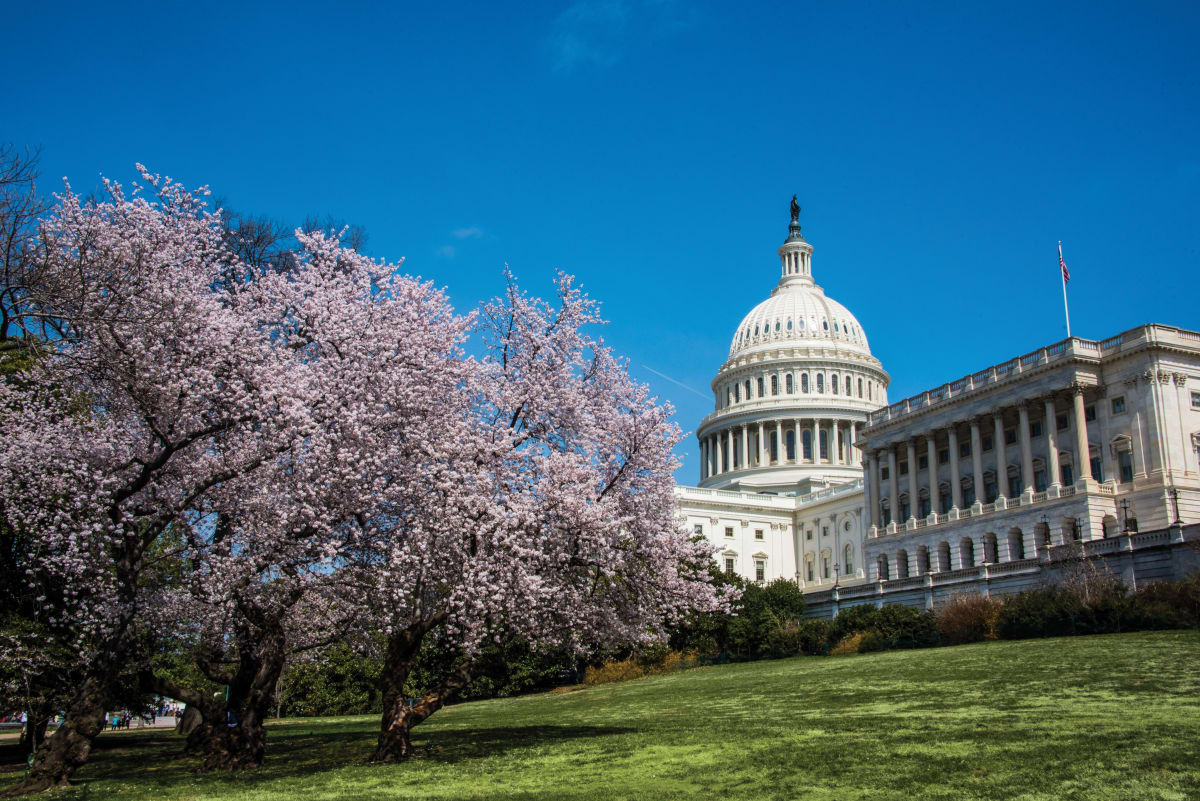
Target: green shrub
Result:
[[814, 637], [968, 618], [853, 620], [906, 626], [1166, 605], [1043, 612]]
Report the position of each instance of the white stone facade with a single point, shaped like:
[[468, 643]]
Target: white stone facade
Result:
[[983, 470]]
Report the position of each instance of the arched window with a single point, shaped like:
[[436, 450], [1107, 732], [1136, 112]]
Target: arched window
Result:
[[869, 391], [791, 445], [787, 382], [902, 564], [820, 382], [760, 387], [825, 324], [943, 555], [789, 325], [990, 551], [1016, 543], [848, 560], [806, 441], [774, 385], [966, 552], [834, 384], [824, 440], [883, 567], [860, 393], [804, 382], [737, 392], [923, 560], [747, 389]]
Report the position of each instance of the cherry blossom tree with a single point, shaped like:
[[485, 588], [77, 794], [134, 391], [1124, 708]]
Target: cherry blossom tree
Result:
[[163, 385], [541, 506]]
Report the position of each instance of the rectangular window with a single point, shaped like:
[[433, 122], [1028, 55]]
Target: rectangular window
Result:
[[1061, 422], [825, 567], [810, 570], [1089, 413], [758, 535], [944, 456], [1068, 474], [991, 491], [698, 530], [1125, 463], [922, 462], [760, 387], [1097, 471], [1035, 429], [987, 443], [1196, 400], [904, 468], [1010, 436], [729, 565], [945, 502], [774, 385], [760, 571], [808, 534], [923, 505], [1039, 480], [964, 450], [883, 473], [825, 531], [729, 532], [1014, 486], [1118, 404]]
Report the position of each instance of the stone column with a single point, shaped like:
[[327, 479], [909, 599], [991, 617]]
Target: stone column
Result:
[[955, 478], [703, 458], [912, 478], [799, 444], [853, 439], [931, 457], [893, 494], [1083, 459], [999, 448], [745, 446], [758, 460], [1026, 448], [720, 453], [873, 482], [1052, 443], [977, 461], [779, 443]]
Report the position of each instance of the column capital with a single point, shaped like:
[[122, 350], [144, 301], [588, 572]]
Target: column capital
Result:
[[1077, 388]]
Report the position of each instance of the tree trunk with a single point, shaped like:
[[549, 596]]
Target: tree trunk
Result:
[[399, 717], [221, 746], [65, 751]]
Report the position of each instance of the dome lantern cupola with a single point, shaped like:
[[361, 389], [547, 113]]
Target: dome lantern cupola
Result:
[[795, 255]]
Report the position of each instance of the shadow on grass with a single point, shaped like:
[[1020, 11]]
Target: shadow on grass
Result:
[[296, 750]]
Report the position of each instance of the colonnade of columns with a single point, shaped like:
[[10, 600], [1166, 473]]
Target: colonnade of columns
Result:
[[877, 457], [763, 443]]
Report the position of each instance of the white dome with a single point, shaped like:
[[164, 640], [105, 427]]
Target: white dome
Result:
[[799, 314]]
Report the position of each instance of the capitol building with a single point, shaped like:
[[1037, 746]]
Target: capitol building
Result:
[[808, 473]]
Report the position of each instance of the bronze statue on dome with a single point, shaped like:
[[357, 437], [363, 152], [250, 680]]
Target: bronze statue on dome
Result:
[[795, 210]]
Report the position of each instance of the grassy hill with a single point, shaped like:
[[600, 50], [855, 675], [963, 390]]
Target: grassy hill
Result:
[[1107, 717]]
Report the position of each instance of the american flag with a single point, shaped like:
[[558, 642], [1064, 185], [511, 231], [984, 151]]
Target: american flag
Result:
[[1063, 265]]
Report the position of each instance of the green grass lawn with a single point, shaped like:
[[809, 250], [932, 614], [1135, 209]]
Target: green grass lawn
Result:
[[1108, 717]]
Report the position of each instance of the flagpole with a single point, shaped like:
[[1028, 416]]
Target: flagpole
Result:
[[1063, 276]]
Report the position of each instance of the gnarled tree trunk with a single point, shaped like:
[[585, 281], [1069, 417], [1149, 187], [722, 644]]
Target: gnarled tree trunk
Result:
[[65, 751], [399, 717]]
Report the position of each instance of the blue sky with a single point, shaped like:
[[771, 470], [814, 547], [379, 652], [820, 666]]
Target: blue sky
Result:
[[651, 148]]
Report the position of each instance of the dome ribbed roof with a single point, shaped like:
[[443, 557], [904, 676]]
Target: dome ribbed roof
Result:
[[798, 314]]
